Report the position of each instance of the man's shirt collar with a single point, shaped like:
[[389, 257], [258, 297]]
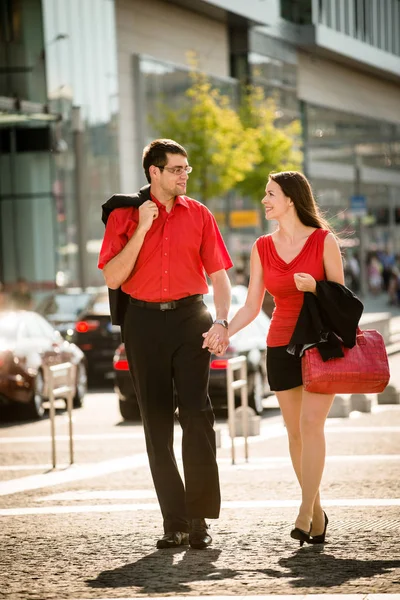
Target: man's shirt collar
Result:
[[178, 200]]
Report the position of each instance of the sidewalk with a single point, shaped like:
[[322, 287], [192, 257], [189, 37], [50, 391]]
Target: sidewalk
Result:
[[387, 320], [95, 537], [379, 303]]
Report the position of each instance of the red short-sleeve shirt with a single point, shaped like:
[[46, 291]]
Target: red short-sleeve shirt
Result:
[[179, 249]]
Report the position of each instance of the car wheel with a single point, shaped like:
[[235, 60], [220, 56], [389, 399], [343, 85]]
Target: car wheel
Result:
[[35, 408], [129, 409], [256, 391], [81, 385]]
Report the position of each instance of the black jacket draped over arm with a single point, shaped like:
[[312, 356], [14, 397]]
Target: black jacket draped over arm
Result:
[[328, 319], [118, 299]]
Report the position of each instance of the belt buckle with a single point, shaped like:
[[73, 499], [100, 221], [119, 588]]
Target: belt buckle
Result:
[[167, 305]]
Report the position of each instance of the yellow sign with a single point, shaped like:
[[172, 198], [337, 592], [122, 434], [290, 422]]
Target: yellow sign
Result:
[[244, 218], [220, 217]]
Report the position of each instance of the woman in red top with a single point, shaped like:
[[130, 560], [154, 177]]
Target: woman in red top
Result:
[[288, 262]]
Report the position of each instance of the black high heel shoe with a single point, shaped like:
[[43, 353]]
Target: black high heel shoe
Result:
[[320, 539], [301, 535]]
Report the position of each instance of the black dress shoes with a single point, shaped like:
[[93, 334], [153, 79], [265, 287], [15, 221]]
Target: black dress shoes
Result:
[[172, 539], [199, 537]]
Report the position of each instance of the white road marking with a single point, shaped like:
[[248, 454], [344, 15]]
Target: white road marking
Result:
[[279, 460], [74, 473], [264, 463], [247, 504], [270, 433], [98, 495], [91, 470], [30, 467], [267, 432], [150, 494], [361, 429], [45, 439]]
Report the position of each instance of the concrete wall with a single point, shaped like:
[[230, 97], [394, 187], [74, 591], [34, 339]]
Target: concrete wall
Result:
[[329, 84], [167, 32]]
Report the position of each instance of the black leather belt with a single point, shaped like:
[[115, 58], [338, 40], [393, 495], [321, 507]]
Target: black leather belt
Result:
[[172, 305]]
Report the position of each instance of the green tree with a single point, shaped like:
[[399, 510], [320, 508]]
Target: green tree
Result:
[[277, 147], [220, 148]]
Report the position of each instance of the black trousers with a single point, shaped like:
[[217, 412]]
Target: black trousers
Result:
[[164, 351]]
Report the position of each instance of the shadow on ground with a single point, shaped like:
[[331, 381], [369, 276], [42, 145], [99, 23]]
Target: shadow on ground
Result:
[[166, 572], [310, 567], [178, 571]]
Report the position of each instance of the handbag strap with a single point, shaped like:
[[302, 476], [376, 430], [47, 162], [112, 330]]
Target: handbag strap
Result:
[[360, 338]]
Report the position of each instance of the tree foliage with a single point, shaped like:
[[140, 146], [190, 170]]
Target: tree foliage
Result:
[[220, 148], [227, 148], [278, 146]]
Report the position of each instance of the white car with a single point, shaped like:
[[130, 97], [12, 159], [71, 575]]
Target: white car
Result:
[[250, 342]]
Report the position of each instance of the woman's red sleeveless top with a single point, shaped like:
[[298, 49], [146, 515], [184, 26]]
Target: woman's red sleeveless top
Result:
[[279, 282]]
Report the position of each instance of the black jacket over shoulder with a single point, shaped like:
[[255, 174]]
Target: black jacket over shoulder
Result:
[[118, 299], [327, 320]]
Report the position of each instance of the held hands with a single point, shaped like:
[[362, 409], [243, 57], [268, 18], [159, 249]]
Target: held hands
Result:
[[148, 211], [305, 282], [216, 339]]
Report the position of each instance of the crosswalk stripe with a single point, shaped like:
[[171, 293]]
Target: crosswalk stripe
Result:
[[90, 470], [235, 504], [267, 431], [74, 473]]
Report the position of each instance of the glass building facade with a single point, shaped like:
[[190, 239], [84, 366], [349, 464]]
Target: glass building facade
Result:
[[374, 22], [350, 155], [82, 85], [60, 110], [26, 167], [55, 173]]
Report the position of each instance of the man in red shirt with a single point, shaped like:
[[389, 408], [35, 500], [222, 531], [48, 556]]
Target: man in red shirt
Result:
[[159, 255]]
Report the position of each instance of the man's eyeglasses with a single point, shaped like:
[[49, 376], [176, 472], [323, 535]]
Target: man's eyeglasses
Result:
[[177, 170]]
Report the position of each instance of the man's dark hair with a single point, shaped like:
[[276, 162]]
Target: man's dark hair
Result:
[[155, 154]]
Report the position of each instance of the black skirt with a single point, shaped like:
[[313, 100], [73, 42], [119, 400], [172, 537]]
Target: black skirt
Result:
[[283, 369]]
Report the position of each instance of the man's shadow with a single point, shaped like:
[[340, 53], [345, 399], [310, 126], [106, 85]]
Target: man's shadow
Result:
[[165, 571], [312, 568]]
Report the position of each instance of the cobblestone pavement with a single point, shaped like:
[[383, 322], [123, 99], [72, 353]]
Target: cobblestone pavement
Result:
[[89, 531]]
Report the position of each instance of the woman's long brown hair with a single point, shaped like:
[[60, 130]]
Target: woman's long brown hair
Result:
[[296, 186]]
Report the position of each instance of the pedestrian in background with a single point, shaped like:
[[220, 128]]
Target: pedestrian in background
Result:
[[287, 263], [394, 284], [160, 253]]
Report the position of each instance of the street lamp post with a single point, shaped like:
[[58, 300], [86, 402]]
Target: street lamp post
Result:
[[361, 230], [77, 132]]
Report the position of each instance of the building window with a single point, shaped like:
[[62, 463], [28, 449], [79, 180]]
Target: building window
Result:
[[10, 21], [297, 11]]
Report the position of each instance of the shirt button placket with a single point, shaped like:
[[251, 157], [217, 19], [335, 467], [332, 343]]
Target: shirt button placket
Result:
[[165, 264]]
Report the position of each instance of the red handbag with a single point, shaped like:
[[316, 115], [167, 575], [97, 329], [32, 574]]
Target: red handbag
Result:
[[364, 369]]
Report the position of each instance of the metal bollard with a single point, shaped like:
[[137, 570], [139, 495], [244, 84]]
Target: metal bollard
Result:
[[239, 362], [64, 391]]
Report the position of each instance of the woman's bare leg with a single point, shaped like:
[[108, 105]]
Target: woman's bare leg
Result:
[[314, 411], [290, 405]]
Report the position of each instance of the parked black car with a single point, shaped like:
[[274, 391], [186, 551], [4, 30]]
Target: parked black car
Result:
[[84, 318], [61, 307], [250, 342], [97, 337], [123, 386], [28, 343]]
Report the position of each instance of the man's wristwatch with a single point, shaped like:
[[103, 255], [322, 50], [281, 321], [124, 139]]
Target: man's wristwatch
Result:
[[222, 322]]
